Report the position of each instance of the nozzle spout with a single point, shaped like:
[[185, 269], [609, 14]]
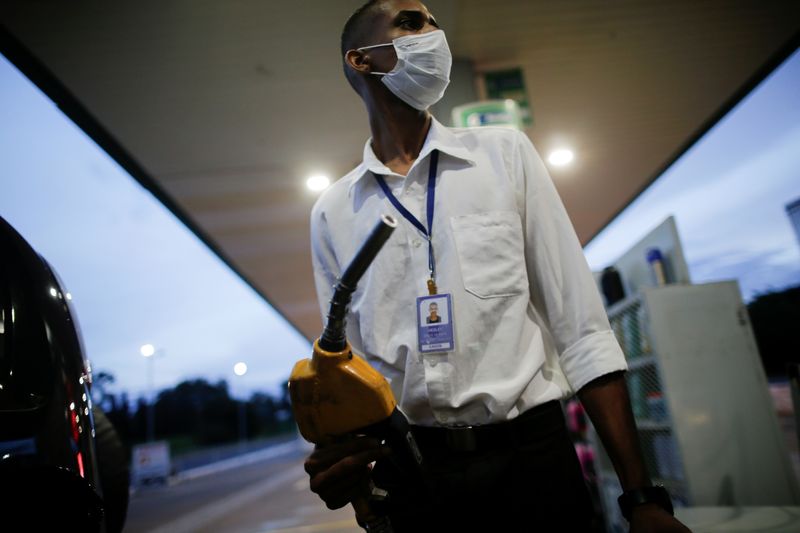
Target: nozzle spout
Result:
[[333, 337]]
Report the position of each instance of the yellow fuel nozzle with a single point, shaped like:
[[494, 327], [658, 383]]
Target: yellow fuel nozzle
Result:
[[334, 392]]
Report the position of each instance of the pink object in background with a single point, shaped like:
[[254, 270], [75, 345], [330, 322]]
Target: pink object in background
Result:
[[586, 458], [576, 424], [576, 417]]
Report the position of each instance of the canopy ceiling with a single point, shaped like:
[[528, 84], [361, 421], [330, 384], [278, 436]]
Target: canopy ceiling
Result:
[[226, 107]]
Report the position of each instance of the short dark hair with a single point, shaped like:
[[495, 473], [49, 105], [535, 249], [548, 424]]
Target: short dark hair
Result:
[[353, 34], [353, 29]]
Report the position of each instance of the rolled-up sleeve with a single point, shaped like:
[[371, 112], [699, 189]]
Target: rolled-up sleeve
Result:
[[562, 288]]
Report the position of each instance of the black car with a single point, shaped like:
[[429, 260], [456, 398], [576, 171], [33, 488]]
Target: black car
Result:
[[62, 466]]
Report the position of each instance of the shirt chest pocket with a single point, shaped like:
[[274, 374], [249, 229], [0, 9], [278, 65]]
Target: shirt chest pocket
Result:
[[491, 253]]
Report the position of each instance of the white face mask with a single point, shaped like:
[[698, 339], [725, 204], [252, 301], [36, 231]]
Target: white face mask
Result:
[[422, 72]]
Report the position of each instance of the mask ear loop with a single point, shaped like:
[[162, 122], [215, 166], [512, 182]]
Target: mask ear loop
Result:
[[374, 46], [362, 48]]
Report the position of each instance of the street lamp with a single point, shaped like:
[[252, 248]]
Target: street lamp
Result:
[[148, 351], [240, 369]]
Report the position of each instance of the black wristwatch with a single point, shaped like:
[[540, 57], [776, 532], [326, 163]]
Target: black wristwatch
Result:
[[656, 494]]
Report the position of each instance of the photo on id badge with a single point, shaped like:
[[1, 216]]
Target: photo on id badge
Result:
[[434, 323]]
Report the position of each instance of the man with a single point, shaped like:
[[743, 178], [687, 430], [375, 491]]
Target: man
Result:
[[482, 229], [433, 316]]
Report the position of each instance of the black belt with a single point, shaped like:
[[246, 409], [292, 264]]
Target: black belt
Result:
[[539, 420]]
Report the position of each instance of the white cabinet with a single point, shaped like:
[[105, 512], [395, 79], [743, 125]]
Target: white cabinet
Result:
[[699, 395]]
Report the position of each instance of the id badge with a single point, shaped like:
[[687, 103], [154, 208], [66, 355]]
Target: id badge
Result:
[[435, 323]]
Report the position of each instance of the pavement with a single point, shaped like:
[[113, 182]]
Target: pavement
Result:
[[205, 456], [262, 488], [260, 491]]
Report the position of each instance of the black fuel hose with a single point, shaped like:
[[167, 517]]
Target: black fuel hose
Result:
[[333, 337]]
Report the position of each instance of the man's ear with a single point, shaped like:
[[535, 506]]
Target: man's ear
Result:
[[358, 61]]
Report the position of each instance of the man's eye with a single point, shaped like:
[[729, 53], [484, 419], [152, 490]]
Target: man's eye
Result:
[[411, 24]]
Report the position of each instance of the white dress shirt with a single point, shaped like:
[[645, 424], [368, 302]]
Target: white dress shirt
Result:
[[529, 323]]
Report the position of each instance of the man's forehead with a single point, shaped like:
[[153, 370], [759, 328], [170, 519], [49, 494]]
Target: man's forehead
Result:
[[392, 8]]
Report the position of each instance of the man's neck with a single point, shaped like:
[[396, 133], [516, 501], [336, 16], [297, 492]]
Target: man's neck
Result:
[[398, 133]]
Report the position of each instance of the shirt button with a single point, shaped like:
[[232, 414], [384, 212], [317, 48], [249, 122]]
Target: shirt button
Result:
[[433, 364]]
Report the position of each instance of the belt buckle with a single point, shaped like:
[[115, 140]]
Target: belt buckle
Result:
[[462, 439]]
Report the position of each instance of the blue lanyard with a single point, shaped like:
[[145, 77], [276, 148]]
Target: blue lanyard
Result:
[[411, 218]]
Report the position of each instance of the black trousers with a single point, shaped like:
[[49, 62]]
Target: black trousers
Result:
[[529, 481]]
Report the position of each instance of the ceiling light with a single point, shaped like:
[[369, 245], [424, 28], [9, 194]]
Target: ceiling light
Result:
[[318, 182], [561, 157]]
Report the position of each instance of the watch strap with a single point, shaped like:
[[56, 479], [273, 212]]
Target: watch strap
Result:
[[656, 494]]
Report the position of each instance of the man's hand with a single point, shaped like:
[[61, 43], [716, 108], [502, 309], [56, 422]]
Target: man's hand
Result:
[[650, 518], [340, 471]]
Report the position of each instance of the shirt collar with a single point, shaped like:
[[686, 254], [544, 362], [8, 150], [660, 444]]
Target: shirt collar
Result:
[[439, 138]]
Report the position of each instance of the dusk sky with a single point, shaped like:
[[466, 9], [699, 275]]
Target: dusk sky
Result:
[[139, 276], [728, 194]]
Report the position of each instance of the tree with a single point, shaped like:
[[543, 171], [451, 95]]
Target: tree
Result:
[[199, 409], [775, 317], [101, 383], [263, 410]]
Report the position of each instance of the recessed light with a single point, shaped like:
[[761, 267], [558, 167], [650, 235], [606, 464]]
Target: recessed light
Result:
[[318, 182], [561, 157]]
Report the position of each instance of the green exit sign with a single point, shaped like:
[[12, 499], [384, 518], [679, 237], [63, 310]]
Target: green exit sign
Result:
[[503, 84]]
